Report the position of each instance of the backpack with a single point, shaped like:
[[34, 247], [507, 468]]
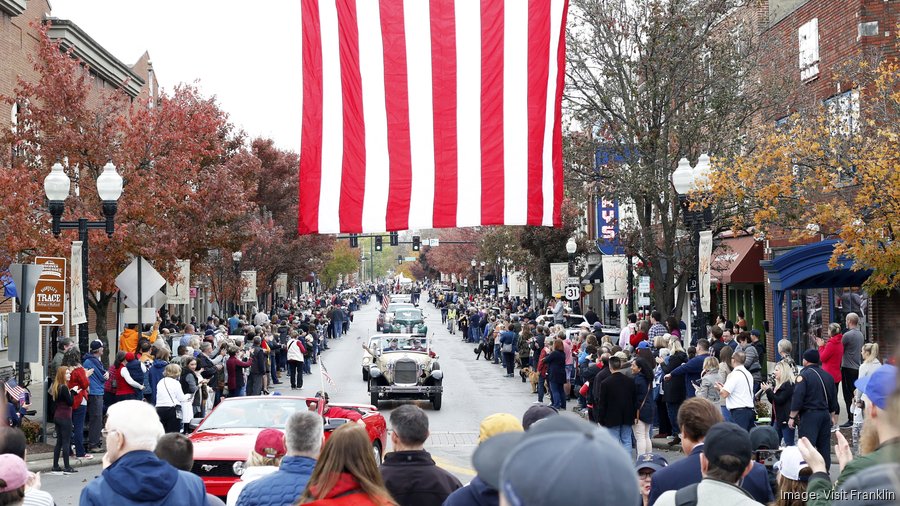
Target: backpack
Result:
[[687, 496]]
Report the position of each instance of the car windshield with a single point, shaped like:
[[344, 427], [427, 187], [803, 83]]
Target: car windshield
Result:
[[574, 321], [253, 413], [396, 307], [404, 344], [404, 314]]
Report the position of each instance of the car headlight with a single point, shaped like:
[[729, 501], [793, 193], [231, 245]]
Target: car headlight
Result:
[[238, 467], [439, 374], [374, 372]]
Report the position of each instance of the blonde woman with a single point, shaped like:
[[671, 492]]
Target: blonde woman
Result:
[[264, 459], [786, 350], [169, 397], [869, 364], [780, 397], [724, 371], [711, 375]]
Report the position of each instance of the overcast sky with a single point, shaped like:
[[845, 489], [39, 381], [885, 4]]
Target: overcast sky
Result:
[[246, 54]]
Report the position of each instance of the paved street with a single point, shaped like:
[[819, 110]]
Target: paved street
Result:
[[473, 389]]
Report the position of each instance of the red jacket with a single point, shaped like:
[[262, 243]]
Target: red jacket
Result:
[[347, 492], [636, 338], [542, 367], [79, 378], [831, 354], [122, 386]]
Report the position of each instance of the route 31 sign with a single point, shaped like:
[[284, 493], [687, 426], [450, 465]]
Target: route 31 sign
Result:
[[572, 292]]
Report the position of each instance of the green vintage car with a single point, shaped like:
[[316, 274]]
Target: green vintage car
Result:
[[408, 321]]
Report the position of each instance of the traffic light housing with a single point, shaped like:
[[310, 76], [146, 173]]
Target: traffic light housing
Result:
[[354, 241], [417, 243], [378, 245], [395, 239]]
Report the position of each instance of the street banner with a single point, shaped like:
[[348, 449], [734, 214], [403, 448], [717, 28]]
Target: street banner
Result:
[[77, 313], [50, 292], [518, 284], [703, 271], [615, 277], [559, 274], [180, 292], [453, 105], [248, 286], [281, 285]]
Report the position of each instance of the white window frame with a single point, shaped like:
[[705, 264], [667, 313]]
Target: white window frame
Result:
[[808, 53]]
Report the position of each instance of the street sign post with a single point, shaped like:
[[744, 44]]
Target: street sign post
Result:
[[572, 293]]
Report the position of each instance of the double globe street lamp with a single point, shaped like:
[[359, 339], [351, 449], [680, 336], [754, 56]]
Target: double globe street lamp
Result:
[[109, 189], [687, 179]]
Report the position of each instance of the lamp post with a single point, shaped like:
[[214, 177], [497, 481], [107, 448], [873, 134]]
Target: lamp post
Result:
[[474, 276], [109, 189], [571, 248], [236, 263], [685, 179]]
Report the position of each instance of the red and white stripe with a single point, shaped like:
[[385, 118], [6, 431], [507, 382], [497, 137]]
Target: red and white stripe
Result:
[[429, 114]]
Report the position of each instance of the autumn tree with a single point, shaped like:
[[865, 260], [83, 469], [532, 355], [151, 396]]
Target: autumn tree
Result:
[[343, 261], [650, 82], [178, 160], [830, 170]]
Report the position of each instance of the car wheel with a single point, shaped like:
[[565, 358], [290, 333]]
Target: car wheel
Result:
[[436, 402], [376, 450]]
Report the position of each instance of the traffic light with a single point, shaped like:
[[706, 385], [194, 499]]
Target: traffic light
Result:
[[377, 243], [417, 243], [395, 239], [354, 241]]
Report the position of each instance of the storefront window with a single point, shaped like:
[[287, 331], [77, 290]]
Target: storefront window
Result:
[[805, 319], [851, 300]]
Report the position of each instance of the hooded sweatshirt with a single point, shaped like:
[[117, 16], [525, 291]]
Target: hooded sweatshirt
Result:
[[155, 374], [140, 477], [97, 381], [476, 493]]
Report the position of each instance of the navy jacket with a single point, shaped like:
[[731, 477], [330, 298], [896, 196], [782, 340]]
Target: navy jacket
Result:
[[413, 479], [476, 493], [691, 370], [140, 477], [156, 374], [643, 398], [686, 471], [556, 366], [283, 487]]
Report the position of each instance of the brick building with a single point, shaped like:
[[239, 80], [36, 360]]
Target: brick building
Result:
[[20, 23], [802, 295]]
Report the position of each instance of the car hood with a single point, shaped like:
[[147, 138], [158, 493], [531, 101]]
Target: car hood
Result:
[[223, 444]]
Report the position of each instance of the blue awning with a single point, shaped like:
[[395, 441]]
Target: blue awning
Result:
[[807, 267]]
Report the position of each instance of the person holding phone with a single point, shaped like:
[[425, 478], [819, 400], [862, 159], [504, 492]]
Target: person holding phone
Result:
[[63, 396]]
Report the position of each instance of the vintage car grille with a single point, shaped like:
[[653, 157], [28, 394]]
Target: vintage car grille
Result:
[[213, 468], [405, 371]]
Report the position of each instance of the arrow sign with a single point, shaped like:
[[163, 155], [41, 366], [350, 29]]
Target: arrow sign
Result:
[[51, 319]]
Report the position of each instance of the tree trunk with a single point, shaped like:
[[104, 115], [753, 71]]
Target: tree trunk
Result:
[[100, 308]]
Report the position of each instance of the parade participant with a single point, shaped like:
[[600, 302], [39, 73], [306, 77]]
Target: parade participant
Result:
[[335, 411], [815, 403]]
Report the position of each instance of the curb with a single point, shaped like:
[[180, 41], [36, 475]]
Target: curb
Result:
[[44, 464]]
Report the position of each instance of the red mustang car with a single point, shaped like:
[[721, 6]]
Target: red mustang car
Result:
[[223, 440]]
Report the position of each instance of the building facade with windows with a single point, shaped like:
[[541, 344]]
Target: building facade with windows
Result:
[[802, 294]]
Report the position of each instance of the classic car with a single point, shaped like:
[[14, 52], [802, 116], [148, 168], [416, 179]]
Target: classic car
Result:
[[223, 440], [386, 315], [405, 368], [367, 355], [411, 321]]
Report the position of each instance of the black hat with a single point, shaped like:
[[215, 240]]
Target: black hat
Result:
[[811, 356], [764, 437], [536, 413], [652, 461], [726, 438]]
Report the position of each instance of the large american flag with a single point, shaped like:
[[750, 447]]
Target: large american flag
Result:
[[429, 114]]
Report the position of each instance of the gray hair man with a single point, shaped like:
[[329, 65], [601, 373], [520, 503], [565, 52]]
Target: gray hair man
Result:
[[409, 472], [132, 429], [303, 436], [853, 341]]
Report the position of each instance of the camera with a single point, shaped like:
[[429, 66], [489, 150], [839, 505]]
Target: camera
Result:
[[770, 379]]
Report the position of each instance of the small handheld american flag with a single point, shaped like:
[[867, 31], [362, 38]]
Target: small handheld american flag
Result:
[[325, 375], [15, 391]]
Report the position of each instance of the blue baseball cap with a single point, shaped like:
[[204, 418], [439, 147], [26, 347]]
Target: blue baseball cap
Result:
[[643, 344], [879, 385], [653, 461]]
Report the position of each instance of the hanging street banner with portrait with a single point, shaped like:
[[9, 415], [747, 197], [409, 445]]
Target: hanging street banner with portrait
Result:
[[704, 267], [615, 277], [559, 273], [180, 292], [77, 313], [248, 286]]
